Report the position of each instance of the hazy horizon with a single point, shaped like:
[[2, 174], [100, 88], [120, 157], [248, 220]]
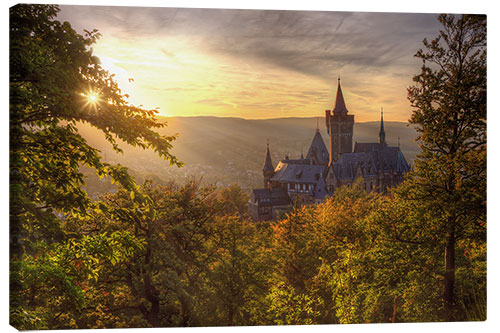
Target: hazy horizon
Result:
[[277, 118], [258, 64]]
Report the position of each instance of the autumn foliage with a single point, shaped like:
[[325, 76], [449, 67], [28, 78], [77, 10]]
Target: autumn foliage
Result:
[[185, 254]]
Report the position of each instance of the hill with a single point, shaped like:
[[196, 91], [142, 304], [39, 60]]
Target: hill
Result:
[[232, 150]]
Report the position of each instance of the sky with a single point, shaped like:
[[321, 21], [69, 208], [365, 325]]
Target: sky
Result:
[[258, 63]]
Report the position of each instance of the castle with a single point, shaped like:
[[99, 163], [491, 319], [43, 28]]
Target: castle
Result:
[[308, 180]]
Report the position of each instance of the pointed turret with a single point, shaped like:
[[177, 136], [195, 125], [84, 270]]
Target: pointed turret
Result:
[[318, 152], [268, 170], [381, 134], [340, 107], [340, 127]]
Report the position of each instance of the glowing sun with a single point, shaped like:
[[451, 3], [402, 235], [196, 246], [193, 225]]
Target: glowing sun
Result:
[[93, 97]]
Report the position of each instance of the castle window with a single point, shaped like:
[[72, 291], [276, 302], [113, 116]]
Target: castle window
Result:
[[263, 210]]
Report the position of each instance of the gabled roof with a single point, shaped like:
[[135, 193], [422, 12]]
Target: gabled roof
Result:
[[364, 147], [371, 157], [297, 173], [320, 192], [318, 149], [391, 158], [347, 165]]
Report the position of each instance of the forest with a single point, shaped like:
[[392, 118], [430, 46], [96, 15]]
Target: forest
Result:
[[183, 253]]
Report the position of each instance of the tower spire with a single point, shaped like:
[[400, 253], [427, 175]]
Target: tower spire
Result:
[[381, 134], [339, 107], [268, 169], [268, 164]]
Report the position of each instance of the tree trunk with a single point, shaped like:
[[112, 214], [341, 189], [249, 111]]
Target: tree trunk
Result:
[[150, 292], [185, 310], [394, 309], [449, 276], [153, 296], [230, 316], [153, 314]]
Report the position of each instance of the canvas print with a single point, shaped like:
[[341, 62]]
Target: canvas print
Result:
[[174, 167]]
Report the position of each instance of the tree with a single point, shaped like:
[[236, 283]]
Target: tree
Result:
[[239, 272], [324, 260], [163, 283], [53, 78], [56, 82], [199, 262], [449, 101]]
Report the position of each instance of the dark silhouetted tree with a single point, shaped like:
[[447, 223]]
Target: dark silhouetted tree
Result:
[[449, 101]]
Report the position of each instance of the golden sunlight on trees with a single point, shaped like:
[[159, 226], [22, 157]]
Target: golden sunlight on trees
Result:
[[187, 254], [50, 66]]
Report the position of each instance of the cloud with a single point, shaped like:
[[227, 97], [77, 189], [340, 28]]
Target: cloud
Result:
[[308, 42], [319, 43], [263, 60]]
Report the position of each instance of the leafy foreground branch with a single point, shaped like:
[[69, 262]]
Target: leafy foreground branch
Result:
[[53, 74]]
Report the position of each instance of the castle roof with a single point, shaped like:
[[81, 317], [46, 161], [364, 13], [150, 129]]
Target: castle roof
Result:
[[317, 150], [371, 158], [275, 197], [320, 192], [366, 147], [297, 161], [381, 134], [391, 159], [297, 173], [348, 164], [268, 164], [340, 107]]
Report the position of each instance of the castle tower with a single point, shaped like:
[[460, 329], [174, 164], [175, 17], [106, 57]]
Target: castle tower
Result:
[[340, 127], [268, 170], [381, 134]]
